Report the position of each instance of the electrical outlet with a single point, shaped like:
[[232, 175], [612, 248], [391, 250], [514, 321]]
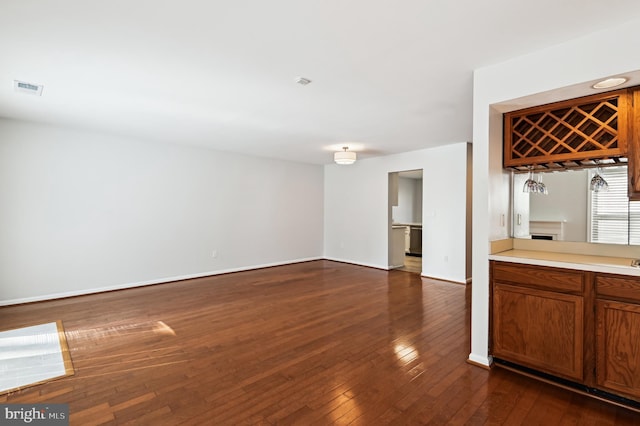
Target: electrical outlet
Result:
[[214, 254]]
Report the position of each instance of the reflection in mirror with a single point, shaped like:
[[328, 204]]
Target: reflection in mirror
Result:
[[571, 212]]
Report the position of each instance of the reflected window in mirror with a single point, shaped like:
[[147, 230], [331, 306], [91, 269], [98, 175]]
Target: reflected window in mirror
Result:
[[613, 219]]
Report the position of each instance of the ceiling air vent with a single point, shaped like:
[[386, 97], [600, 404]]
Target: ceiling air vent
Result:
[[24, 87], [303, 81]]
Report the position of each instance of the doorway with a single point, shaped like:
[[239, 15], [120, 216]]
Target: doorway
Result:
[[405, 220]]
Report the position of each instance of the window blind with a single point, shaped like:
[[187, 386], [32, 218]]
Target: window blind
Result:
[[614, 219]]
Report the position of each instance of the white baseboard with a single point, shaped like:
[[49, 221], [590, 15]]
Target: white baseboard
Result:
[[481, 360], [352, 262], [434, 277], [149, 282], [191, 276]]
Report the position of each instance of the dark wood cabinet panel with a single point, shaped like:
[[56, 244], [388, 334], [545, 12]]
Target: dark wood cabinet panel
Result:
[[618, 347], [539, 329], [618, 287], [633, 172], [542, 277]]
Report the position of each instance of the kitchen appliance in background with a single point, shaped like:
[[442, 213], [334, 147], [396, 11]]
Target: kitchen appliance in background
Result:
[[415, 241]]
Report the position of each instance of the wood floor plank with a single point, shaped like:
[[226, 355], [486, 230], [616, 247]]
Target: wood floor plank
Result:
[[311, 343]]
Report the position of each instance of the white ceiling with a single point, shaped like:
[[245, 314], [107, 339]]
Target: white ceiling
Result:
[[388, 77]]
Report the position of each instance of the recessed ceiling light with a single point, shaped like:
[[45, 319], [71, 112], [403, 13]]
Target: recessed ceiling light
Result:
[[610, 82], [303, 81], [24, 87]]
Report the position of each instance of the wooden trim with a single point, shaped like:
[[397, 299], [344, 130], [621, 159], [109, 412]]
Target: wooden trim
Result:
[[64, 348], [66, 359], [589, 339], [633, 171], [571, 102]]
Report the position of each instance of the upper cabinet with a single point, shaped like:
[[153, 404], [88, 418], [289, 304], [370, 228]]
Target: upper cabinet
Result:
[[576, 133], [569, 133], [634, 147]]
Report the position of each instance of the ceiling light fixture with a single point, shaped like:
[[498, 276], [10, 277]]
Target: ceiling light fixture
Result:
[[344, 157], [303, 81], [610, 82]]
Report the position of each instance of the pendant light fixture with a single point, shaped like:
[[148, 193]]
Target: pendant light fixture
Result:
[[344, 157]]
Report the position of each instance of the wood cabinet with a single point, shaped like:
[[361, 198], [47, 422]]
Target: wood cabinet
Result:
[[538, 318], [539, 329], [576, 132], [618, 334], [633, 171], [579, 326], [563, 134]]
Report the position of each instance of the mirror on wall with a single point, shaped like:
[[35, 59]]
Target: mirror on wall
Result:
[[572, 212]]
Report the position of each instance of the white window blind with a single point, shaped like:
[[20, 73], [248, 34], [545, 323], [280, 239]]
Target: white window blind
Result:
[[614, 219]]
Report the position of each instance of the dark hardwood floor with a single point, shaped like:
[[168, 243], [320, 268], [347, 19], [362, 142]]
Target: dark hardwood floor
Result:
[[311, 343], [412, 264]]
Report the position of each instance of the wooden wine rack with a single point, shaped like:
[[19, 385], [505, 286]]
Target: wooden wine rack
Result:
[[570, 133]]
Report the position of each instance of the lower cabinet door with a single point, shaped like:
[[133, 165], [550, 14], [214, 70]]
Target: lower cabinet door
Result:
[[539, 329], [618, 347]]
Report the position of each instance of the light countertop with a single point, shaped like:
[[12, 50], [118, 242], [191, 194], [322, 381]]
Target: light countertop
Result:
[[611, 265]]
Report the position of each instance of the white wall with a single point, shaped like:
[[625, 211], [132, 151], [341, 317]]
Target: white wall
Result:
[[566, 201], [82, 211], [548, 70], [409, 208], [356, 216]]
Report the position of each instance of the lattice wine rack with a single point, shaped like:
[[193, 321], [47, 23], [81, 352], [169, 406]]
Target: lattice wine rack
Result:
[[570, 133]]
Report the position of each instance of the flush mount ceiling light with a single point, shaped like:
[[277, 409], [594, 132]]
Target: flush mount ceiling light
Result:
[[30, 88], [344, 157], [610, 82]]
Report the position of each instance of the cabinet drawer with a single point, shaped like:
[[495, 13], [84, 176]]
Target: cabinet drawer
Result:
[[543, 277], [618, 287]]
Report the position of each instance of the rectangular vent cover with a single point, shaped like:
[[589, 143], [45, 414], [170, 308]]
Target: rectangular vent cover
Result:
[[24, 87]]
